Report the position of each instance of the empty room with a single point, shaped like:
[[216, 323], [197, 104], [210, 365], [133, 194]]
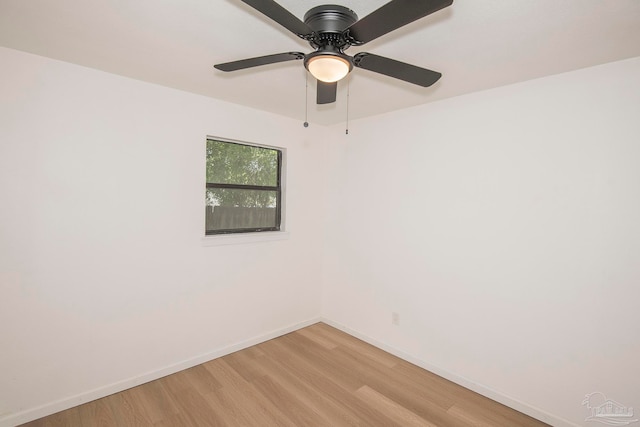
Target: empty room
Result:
[[293, 213]]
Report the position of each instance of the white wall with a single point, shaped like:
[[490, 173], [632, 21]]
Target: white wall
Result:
[[504, 229], [104, 278]]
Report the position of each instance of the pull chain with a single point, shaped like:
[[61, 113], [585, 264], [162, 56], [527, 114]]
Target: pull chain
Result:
[[348, 87], [306, 100]]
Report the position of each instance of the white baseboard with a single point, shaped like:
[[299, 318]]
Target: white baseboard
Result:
[[12, 420], [532, 411]]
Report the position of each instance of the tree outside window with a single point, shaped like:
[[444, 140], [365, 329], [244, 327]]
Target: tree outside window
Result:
[[243, 189]]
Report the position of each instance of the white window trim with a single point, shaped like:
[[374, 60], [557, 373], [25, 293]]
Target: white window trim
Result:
[[243, 238]]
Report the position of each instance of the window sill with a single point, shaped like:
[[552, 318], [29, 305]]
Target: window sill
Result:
[[237, 239]]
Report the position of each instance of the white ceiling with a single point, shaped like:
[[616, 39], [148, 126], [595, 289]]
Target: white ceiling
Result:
[[475, 44]]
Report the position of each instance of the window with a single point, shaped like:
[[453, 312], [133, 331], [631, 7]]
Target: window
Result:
[[243, 191]]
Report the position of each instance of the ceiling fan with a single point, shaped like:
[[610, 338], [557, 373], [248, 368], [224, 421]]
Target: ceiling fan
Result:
[[332, 29]]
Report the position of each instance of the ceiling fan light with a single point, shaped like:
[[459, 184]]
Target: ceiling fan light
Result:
[[328, 68]]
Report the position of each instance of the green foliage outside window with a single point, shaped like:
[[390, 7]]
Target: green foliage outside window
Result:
[[243, 188], [229, 163]]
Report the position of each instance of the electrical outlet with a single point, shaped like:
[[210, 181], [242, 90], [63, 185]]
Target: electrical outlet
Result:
[[395, 319]]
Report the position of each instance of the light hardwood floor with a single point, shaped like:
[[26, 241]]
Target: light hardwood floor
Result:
[[316, 376]]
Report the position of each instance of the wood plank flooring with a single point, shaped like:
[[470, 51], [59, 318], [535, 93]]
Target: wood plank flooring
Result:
[[317, 376]]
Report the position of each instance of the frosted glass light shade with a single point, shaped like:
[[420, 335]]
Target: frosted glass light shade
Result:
[[328, 68]]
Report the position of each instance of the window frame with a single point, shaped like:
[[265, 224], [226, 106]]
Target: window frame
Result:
[[278, 189]]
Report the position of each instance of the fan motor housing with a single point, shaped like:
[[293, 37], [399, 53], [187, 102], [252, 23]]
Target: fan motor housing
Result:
[[330, 18]]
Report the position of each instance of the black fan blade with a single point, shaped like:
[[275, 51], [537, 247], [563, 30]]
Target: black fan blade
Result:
[[260, 60], [391, 16], [282, 16], [326, 92], [396, 69]]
